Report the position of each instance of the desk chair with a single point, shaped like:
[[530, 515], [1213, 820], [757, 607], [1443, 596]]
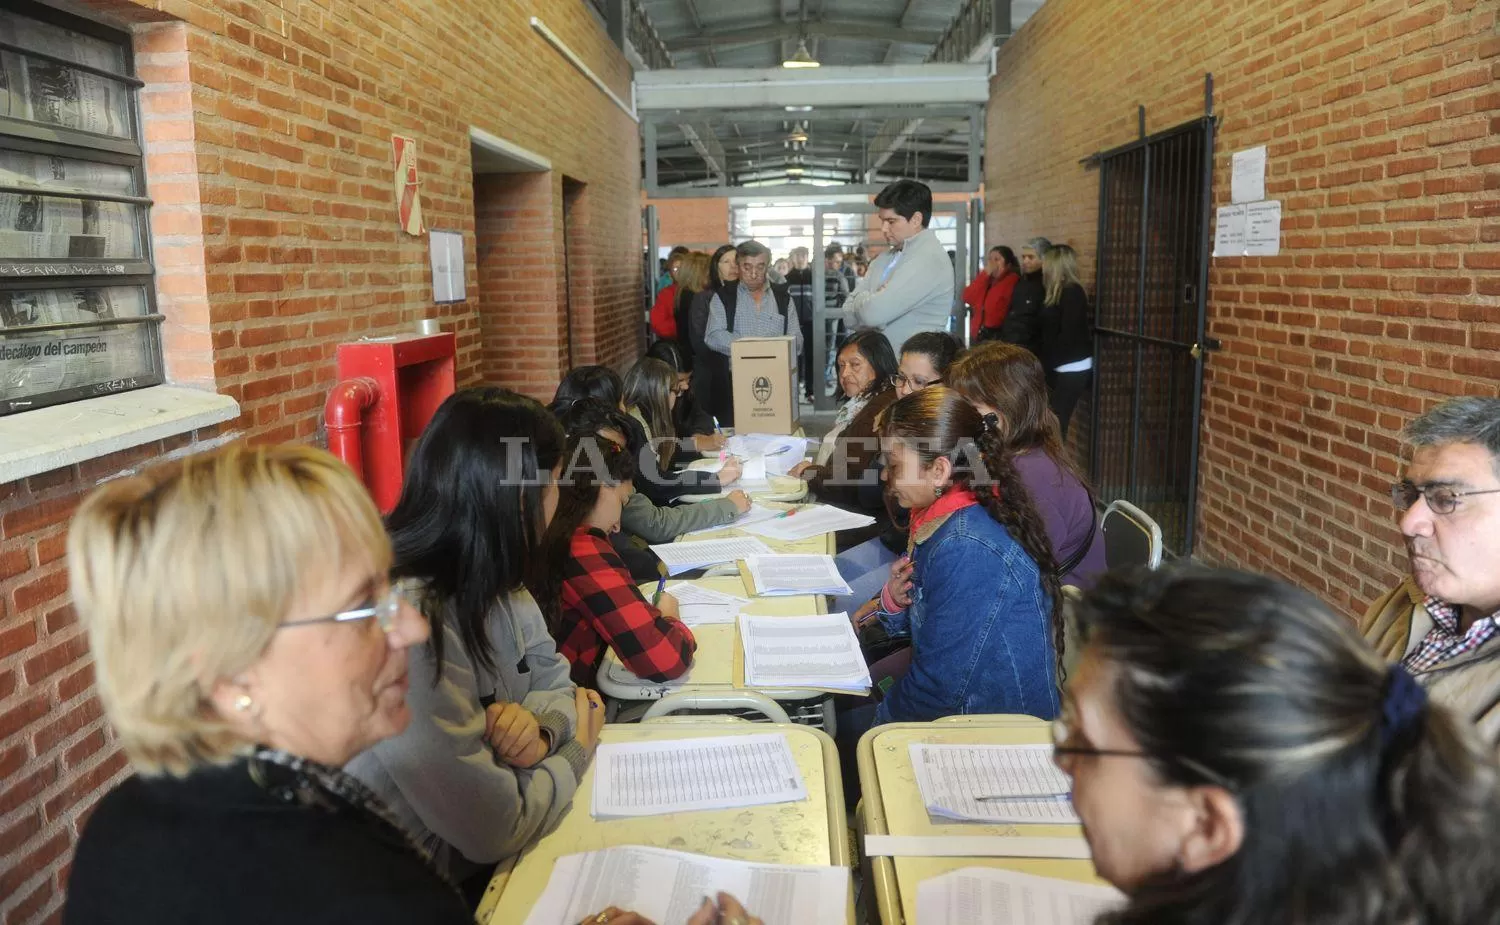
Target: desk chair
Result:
[[1131, 537]]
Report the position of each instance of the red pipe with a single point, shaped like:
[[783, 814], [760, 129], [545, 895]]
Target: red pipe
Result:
[[344, 417]]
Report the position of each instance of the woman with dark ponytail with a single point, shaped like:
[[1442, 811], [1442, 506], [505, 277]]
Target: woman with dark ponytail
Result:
[[981, 602], [1239, 756]]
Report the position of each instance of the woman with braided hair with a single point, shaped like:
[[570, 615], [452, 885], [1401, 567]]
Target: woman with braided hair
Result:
[[980, 599]]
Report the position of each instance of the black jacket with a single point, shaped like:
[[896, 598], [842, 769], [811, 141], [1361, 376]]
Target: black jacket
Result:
[[1022, 325], [1065, 330], [219, 847]]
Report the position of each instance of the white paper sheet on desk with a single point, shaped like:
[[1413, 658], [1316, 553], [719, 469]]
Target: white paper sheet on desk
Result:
[[688, 593], [809, 521], [775, 575], [684, 775], [706, 614], [988, 896], [755, 515], [819, 651], [684, 557], [668, 886], [951, 776]]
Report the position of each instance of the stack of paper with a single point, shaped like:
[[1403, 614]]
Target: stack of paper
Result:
[[775, 575], [755, 515], [993, 783], [668, 886], [683, 775], [699, 605], [812, 520], [818, 652], [989, 896], [684, 557]]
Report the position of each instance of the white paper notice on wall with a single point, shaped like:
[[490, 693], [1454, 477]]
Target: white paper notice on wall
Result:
[[447, 250], [1263, 229], [1247, 177], [1229, 232]]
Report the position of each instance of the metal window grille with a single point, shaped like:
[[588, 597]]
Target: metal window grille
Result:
[[78, 314]]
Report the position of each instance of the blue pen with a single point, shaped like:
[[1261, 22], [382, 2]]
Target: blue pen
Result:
[[717, 429], [661, 585]]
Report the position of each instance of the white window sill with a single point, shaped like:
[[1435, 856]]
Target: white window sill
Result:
[[39, 441]]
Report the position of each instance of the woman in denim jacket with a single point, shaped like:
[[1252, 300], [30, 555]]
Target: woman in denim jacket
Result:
[[979, 598]]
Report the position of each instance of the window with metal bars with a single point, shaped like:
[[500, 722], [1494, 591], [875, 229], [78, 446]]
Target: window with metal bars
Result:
[[78, 311]]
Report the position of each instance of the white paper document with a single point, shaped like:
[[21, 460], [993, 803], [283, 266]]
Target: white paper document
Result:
[[990, 783], [706, 614], [1263, 229], [803, 652], [684, 557], [447, 258], [988, 896], [688, 593], [698, 606], [1247, 177], [668, 886], [810, 521], [755, 515], [793, 574], [684, 775], [1229, 232]]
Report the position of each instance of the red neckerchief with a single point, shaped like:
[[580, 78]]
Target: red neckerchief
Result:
[[951, 502]]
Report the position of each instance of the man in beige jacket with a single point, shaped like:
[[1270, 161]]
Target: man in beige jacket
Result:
[[1441, 622]]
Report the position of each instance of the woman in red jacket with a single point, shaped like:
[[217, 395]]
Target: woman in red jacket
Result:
[[989, 294]]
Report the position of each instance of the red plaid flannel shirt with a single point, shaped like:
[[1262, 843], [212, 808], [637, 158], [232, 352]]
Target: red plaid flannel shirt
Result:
[[601, 606], [1444, 641]]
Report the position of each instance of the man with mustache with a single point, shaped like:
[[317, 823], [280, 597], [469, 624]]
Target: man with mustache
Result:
[[1441, 622]]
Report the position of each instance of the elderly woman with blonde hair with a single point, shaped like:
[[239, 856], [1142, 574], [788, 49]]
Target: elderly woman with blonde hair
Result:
[[247, 642]]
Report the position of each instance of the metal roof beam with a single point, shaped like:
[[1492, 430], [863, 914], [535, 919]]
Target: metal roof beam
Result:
[[792, 30], [868, 85], [835, 114]]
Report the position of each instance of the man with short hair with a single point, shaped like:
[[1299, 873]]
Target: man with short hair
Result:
[[799, 284], [1441, 622], [751, 309], [909, 288]]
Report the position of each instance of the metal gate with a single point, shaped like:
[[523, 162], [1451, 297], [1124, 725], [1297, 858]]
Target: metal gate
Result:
[[1155, 196]]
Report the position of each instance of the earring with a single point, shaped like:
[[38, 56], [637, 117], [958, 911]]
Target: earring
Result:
[[243, 703], [937, 491]]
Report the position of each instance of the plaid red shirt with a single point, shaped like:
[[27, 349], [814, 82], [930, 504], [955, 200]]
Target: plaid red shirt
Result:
[[601, 606], [1444, 642]]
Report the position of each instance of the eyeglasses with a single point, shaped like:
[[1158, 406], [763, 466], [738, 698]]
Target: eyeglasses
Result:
[[1062, 733], [1440, 498], [752, 269], [916, 385], [384, 609]]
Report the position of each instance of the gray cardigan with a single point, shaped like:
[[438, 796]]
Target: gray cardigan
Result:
[[640, 517], [442, 780]]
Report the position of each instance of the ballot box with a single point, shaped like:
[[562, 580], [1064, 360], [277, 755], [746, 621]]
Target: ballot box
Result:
[[764, 370]]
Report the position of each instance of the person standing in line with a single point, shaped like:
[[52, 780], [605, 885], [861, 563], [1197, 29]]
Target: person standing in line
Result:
[[1065, 333], [692, 280], [668, 276], [989, 295], [838, 280], [909, 288], [799, 284], [750, 309], [1020, 326], [711, 385], [663, 319]]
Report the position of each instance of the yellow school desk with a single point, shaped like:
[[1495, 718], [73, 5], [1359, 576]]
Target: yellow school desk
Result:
[[811, 832], [892, 805]]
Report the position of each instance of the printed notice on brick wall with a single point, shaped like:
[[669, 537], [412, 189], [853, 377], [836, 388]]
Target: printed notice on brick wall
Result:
[[1247, 178], [1263, 229], [447, 253], [1229, 232]]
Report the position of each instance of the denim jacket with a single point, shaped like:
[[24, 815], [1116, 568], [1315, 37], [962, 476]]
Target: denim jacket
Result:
[[980, 624]]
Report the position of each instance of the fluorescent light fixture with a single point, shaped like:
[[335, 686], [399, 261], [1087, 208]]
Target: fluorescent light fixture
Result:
[[798, 108], [801, 58], [795, 171]]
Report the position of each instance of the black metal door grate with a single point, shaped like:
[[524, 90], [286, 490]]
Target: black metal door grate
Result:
[[1154, 199]]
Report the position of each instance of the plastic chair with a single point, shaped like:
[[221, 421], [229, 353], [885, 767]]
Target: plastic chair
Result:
[[1131, 537], [729, 700]]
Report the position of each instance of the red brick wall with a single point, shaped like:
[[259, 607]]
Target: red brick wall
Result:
[[700, 224], [268, 149], [1380, 121]]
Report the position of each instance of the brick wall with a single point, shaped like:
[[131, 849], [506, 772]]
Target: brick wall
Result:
[[1380, 121], [268, 130], [700, 224]]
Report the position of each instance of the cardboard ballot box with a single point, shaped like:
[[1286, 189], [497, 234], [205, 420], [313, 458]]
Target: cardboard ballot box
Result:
[[765, 384]]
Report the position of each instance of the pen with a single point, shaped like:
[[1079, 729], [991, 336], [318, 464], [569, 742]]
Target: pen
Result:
[[717, 429], [661, 585], [1025, 797]]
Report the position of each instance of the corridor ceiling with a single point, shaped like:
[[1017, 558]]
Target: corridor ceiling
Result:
[[858, 146]]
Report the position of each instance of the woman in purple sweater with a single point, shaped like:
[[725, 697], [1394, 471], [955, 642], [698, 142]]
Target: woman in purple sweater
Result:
[[1008, 382]]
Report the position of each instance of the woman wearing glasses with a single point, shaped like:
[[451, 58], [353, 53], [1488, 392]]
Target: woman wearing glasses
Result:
[[1238, 755], [845, 472], [925, 359], [247, 643], [499, 735]]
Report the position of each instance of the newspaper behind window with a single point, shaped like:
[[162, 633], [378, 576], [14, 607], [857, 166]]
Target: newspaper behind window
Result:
[[109, 358]]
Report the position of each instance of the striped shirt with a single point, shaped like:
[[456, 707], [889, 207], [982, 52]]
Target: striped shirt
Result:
[[1444, 641]]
